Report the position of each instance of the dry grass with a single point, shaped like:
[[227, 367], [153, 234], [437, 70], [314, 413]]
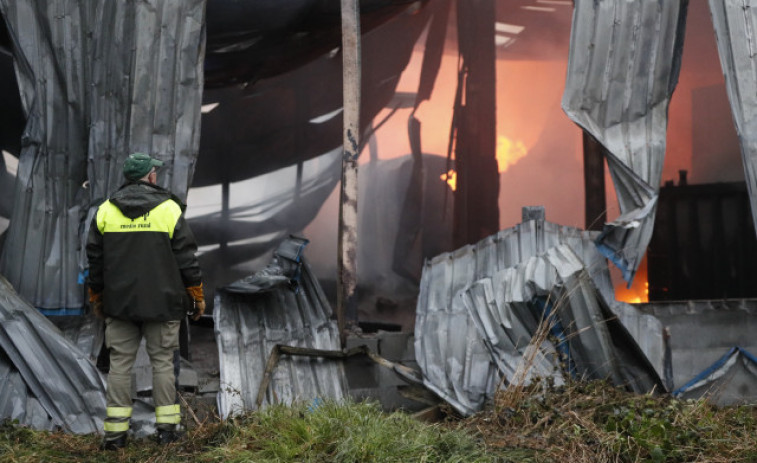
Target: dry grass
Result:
[[596, 422]]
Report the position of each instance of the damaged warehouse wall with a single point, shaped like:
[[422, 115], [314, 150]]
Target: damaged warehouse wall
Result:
[[622, 69], [735, 23], [90, 102]]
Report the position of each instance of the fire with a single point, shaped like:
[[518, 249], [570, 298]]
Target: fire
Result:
[[509, 152], [451, 179], [639, 290]]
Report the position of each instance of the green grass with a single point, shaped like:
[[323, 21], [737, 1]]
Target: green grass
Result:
[[577, 423], [358, 432], [338, 433]]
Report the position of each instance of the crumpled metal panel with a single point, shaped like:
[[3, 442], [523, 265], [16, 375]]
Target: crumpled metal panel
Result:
[[255, 314], [98, 80], [449, 349], [622, 69], [454, 349], [735, 24], [45, 381], [595, 344]]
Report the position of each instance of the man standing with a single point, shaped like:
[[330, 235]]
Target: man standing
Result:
[[144, 278]]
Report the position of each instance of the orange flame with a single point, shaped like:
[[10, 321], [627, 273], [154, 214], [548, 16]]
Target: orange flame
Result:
[[451, 179], [639, 290], [509, 152]]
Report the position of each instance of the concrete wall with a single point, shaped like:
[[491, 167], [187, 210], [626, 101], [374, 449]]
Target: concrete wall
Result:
[[703, 331]]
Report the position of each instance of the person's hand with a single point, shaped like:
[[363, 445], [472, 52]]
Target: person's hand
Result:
[[96, 303], [198, 301]]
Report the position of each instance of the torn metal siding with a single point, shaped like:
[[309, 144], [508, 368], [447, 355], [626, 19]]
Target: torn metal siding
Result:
[[578, 318], [735, 24], [622, 69], [469, 296], [147, 82], [45, 381], [248, 326], [451, 354], [51, 57], [503, 317], [98, 80]]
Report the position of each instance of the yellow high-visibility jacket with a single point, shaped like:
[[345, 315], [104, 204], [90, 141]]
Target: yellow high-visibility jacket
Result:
[[142, 254]]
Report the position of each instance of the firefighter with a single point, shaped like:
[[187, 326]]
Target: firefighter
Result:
[[144, 278]]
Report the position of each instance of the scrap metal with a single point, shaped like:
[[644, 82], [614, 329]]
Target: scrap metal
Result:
[[46, 382], [462, 355], [281, 304]]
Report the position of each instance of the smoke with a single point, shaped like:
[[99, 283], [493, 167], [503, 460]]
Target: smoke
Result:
[[548, 169]]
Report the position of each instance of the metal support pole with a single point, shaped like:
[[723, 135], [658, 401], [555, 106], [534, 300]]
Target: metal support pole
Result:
[[346, 306]]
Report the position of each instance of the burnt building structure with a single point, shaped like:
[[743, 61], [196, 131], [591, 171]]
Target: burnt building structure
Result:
[[704, 244]]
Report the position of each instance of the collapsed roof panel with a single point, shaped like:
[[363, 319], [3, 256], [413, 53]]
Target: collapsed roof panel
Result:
[[281, 304], [459, 353], [622, 69], [98, 80], [45, 381], [735, 28]]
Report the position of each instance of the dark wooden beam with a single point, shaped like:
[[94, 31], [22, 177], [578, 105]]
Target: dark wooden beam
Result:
[[594, 183], [477, 194]]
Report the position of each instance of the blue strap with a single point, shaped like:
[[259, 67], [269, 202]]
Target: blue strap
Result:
[[557, 331], [61, 312], [714, 367], [616, 259], [83, 277]]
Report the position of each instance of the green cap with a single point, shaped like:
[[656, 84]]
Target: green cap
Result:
[[137, 165]]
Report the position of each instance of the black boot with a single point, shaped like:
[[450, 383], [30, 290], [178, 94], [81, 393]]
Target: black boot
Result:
[[166, 436], [114, 441]]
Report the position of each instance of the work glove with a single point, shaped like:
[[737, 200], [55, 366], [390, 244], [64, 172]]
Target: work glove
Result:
[[198, 301], [96, 303]]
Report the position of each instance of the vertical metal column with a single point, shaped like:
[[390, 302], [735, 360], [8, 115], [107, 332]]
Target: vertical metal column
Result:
[[346, 305]]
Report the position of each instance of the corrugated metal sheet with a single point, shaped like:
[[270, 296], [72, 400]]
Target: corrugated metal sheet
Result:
[[98, 80], [622, 69], [255, 314], [459, 354], [581, 317], [735, 24], [45, 381]]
